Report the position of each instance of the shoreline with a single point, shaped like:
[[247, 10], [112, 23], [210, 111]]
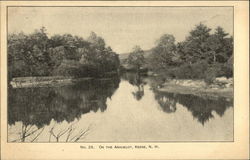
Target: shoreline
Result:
[[198, 91], [194, 87], [34, 82]]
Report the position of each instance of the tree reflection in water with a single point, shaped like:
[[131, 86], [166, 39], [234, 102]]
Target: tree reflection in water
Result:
[[167, 103], [36, 107], [51, 114], [200, 107], [136, 80]]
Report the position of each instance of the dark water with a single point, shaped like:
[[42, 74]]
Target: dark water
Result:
[[120, 109]]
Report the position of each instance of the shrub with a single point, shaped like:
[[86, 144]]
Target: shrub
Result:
[[227, 70], [199, 70], [188, 71], [210, 75]]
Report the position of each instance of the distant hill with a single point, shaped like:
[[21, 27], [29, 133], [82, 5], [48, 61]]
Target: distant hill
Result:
[[124, 56]]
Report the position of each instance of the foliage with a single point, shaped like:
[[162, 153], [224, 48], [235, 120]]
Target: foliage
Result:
[[38, 55], [58, 103], [187, 71], [136, 58], [163, 54], [201, 55], [27, 54]]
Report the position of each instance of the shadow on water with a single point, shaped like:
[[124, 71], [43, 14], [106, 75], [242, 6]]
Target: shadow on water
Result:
[[167, 103], [200, 107], [41, 110], [136, 80], [38, 106]]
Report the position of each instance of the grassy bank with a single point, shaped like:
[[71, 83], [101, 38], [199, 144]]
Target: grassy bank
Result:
[[194, 87], [198, 91]]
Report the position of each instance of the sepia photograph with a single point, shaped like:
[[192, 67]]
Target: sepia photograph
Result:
[[124, 80], [120, 74]]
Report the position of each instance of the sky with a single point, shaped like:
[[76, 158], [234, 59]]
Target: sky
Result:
[[121, 27]]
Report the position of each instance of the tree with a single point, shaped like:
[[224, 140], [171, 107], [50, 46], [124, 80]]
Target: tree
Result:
[[195, 46], [220, 33], [28, 54], [226, 45], [38, 55], [136, 58], [17, 54], [110, 59], [219, 48], [96, 41], [181, 51], [200, 55], [57, 54], [164, 52]]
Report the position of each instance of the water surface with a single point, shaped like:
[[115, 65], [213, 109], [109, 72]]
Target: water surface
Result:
[[125, 109]]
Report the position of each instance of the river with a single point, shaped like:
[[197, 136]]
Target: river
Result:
[[121, 109]]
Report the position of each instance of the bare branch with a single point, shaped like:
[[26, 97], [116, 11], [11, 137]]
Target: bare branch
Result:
[[82, 134], [69, 133], [37, 135]]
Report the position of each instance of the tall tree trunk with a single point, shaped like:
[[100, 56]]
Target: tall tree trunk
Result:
[[214, 56]]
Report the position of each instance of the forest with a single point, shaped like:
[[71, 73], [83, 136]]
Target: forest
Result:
[[37, 54], [204, 54], [66, 88]]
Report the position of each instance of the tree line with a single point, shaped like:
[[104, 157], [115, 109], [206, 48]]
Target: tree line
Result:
[[202, 55], [36, 54]]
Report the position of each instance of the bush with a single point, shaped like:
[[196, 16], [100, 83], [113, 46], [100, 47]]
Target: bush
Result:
[[218, 70], [188, 71], [199, 70], [73, 68], [227, 70], [210, 75]]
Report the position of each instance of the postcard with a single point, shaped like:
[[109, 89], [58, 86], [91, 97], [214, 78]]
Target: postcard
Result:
[[124, 80]]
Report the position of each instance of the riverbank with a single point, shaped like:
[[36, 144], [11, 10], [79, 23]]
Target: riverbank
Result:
[[48, 81], [25, 82], [198, 91], [219, 88]]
